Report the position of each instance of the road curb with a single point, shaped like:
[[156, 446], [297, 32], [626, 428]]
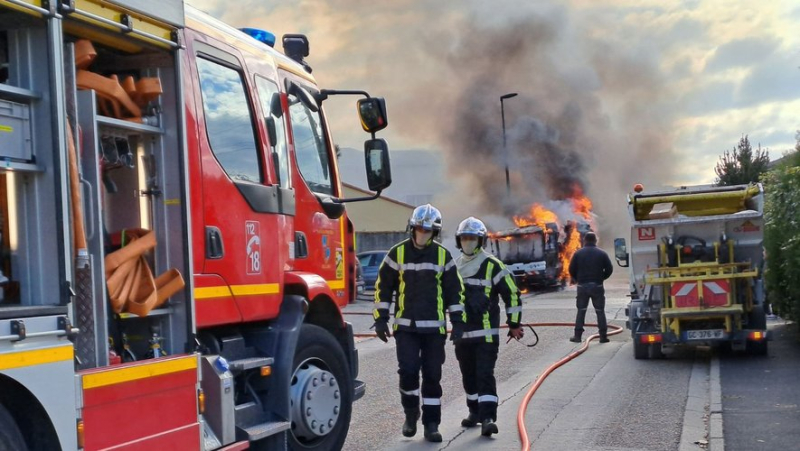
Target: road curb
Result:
[[695, 429], [716, 438]]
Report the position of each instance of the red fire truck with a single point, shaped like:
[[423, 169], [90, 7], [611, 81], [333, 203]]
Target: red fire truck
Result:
[[174, 249]]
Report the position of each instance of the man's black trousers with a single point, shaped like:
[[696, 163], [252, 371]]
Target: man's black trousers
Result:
[[477, 358], [417, 351], [597, 294]]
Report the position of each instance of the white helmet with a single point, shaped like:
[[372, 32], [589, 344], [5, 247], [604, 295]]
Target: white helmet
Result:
[[471, 227], [426, 217]]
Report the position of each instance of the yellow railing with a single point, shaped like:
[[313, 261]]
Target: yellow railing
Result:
[[699, 271]]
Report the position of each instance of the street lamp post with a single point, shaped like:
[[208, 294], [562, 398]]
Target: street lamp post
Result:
[[505, 151]]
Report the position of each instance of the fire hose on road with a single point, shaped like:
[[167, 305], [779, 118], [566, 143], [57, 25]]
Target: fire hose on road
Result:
[[523, 432]]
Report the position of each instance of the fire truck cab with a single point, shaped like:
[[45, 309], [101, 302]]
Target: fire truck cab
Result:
[[174, 248]]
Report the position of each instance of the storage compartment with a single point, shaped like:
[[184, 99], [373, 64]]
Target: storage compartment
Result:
[[15, 131], [33, 234], [126, 109], [108, 157]]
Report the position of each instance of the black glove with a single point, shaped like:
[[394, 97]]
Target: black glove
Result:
[[457, 332], [382, 330]]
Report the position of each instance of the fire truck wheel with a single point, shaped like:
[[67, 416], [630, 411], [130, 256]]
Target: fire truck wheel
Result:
[[321, 392], [10, 435]]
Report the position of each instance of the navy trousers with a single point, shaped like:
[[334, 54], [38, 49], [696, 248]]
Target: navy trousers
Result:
[[415, 352]]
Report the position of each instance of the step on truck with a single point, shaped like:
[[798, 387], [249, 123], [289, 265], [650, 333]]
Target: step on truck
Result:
[[696, 261], [174, 248]]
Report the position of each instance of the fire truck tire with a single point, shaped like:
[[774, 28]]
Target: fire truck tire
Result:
[[640, 350], [10, 435], [320, 416]]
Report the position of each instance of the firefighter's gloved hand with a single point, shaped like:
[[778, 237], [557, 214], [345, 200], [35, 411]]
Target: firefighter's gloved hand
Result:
[[382, 330], [516, 332], [457, 332]]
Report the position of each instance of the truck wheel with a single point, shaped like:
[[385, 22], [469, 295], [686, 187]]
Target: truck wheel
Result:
[[758, 320], [10, 435], [640, 350], [321, 392]]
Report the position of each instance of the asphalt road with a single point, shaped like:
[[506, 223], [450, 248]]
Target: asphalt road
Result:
[[760, 395], [603, 400]]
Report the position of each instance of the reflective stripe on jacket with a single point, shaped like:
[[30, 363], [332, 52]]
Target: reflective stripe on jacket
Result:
[[426, 283], [482, 291]]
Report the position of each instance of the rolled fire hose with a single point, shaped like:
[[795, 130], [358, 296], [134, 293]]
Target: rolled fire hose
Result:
[[78, 227], [131, 286]]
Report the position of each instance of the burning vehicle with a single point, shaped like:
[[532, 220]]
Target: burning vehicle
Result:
[[539, 249]]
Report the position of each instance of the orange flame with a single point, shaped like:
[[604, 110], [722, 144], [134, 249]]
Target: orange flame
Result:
[[538, 216], [581, 204], [571, 245], [541, 216]]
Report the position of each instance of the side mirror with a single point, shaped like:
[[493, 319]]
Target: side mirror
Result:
[[621, 252], [332, 208], [372, 112], [379, 171], [304, 96]]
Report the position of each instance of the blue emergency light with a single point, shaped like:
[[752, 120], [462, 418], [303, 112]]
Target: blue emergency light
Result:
[[260, 35]]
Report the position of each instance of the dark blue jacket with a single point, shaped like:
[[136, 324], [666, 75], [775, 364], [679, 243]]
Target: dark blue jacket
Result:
[[590, 265]]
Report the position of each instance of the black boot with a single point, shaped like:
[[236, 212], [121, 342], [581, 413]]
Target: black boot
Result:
[[432, 433], [470, 421], [604, 339], [410, 426], [488, 428], [575, 338]]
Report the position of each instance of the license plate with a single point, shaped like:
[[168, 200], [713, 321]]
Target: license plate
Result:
[[710, 334]]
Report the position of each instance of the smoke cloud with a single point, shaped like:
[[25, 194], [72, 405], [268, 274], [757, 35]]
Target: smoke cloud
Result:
[[594, 110]]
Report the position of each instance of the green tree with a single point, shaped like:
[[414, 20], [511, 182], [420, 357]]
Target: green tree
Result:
[[782, 235], [743, 165]]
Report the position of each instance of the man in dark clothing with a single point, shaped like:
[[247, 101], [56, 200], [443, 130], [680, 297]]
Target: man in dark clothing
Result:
[[589, 267], [424, 276]]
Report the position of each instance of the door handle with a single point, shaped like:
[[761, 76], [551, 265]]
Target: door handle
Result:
[[301, 245], [214, 247]]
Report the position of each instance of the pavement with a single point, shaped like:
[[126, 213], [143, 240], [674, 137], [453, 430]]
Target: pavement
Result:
[[735, 401], [761, 395]]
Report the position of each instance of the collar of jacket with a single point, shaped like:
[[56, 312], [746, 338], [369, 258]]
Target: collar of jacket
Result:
[[469, 267]]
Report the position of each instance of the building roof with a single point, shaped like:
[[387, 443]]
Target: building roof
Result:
[[383, 214], [383, 196]]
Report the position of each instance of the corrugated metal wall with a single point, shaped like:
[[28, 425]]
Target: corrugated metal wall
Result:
[[378, 241]]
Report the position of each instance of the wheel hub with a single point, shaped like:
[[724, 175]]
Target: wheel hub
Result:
[[316, 402]]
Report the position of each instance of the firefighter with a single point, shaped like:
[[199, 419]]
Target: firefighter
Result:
[[589, 267], [424, 276], [486, 279]]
